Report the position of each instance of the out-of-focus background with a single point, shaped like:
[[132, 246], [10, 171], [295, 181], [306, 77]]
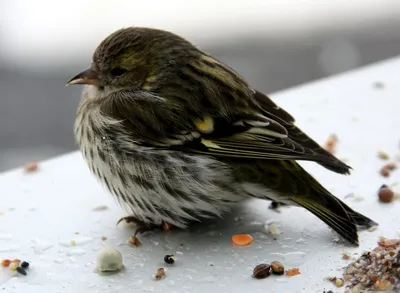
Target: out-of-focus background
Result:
[[275, 44]]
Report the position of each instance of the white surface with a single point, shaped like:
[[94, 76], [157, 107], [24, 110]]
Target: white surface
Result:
[[53, 33], [43, 210]]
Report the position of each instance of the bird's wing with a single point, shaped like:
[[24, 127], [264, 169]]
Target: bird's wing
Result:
[[267, 133]]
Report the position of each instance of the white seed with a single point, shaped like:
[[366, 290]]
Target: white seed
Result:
[[109, 259], [273, 229]]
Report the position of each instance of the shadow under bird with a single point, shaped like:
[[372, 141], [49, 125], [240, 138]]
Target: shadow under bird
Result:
[[177, 136]]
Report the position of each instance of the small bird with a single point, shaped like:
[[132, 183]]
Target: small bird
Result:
[[177, 136]]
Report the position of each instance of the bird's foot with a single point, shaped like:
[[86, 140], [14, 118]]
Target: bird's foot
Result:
[[144, 227]]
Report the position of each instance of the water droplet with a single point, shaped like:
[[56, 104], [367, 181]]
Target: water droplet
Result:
[[76, 251]]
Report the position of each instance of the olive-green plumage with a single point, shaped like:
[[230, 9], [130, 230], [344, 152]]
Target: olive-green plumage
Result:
[[177, 135]]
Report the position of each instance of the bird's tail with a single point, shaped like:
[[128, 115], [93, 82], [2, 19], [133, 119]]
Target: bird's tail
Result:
[[331, 210], [292, 183]]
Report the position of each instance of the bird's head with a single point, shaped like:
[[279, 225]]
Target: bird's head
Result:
[[129, 56]]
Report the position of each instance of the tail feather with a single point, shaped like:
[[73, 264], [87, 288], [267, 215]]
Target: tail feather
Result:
[[332, 213], [358, 218]]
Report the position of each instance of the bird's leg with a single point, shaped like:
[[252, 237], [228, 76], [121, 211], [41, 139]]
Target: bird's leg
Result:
[[276, 205], [144, 227]]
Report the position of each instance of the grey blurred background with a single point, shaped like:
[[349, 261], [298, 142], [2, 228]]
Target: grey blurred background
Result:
[[274, 44]]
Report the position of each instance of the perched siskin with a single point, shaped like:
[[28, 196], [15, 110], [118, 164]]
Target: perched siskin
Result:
[[177, 136]]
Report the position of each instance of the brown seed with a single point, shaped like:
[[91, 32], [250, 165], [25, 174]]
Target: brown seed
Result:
[[384, 172], [277, 268], [346, 256], [385, 194], [390, 166], [104, 238], [134, 241], [262, 271], [160, 274], [373, 278], [31, 167]]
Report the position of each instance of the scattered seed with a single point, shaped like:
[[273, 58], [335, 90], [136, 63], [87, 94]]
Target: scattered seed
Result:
[[134, 241], [13, 266], [5, 262], [273, 229], [385, 194], [384, 172], [293, 272], [390, 166], [31, 167], [339, 282], [73, 242], [169, 259], [382, 155], [262, 271], [76, 233], [346, 256], [21, 271], [160, 274], [277, 268], [24, 264], [383, 285], [109, 259], [330, 144], [242, 239], [376, 270], [104, 238]]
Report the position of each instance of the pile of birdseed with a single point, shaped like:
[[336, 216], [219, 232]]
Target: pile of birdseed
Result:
[[376, 270]]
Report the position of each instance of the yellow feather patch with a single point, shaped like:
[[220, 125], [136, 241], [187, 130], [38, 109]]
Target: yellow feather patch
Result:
[[210, 144], [205, 126]]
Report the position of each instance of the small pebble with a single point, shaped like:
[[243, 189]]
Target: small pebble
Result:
[[109, 259], [169, 259], [385, 194], [21, 271]]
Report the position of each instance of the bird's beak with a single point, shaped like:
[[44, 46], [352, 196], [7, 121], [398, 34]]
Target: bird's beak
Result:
[[88, 76]]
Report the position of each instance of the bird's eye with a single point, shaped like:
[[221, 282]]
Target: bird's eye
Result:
[[118, 71]]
